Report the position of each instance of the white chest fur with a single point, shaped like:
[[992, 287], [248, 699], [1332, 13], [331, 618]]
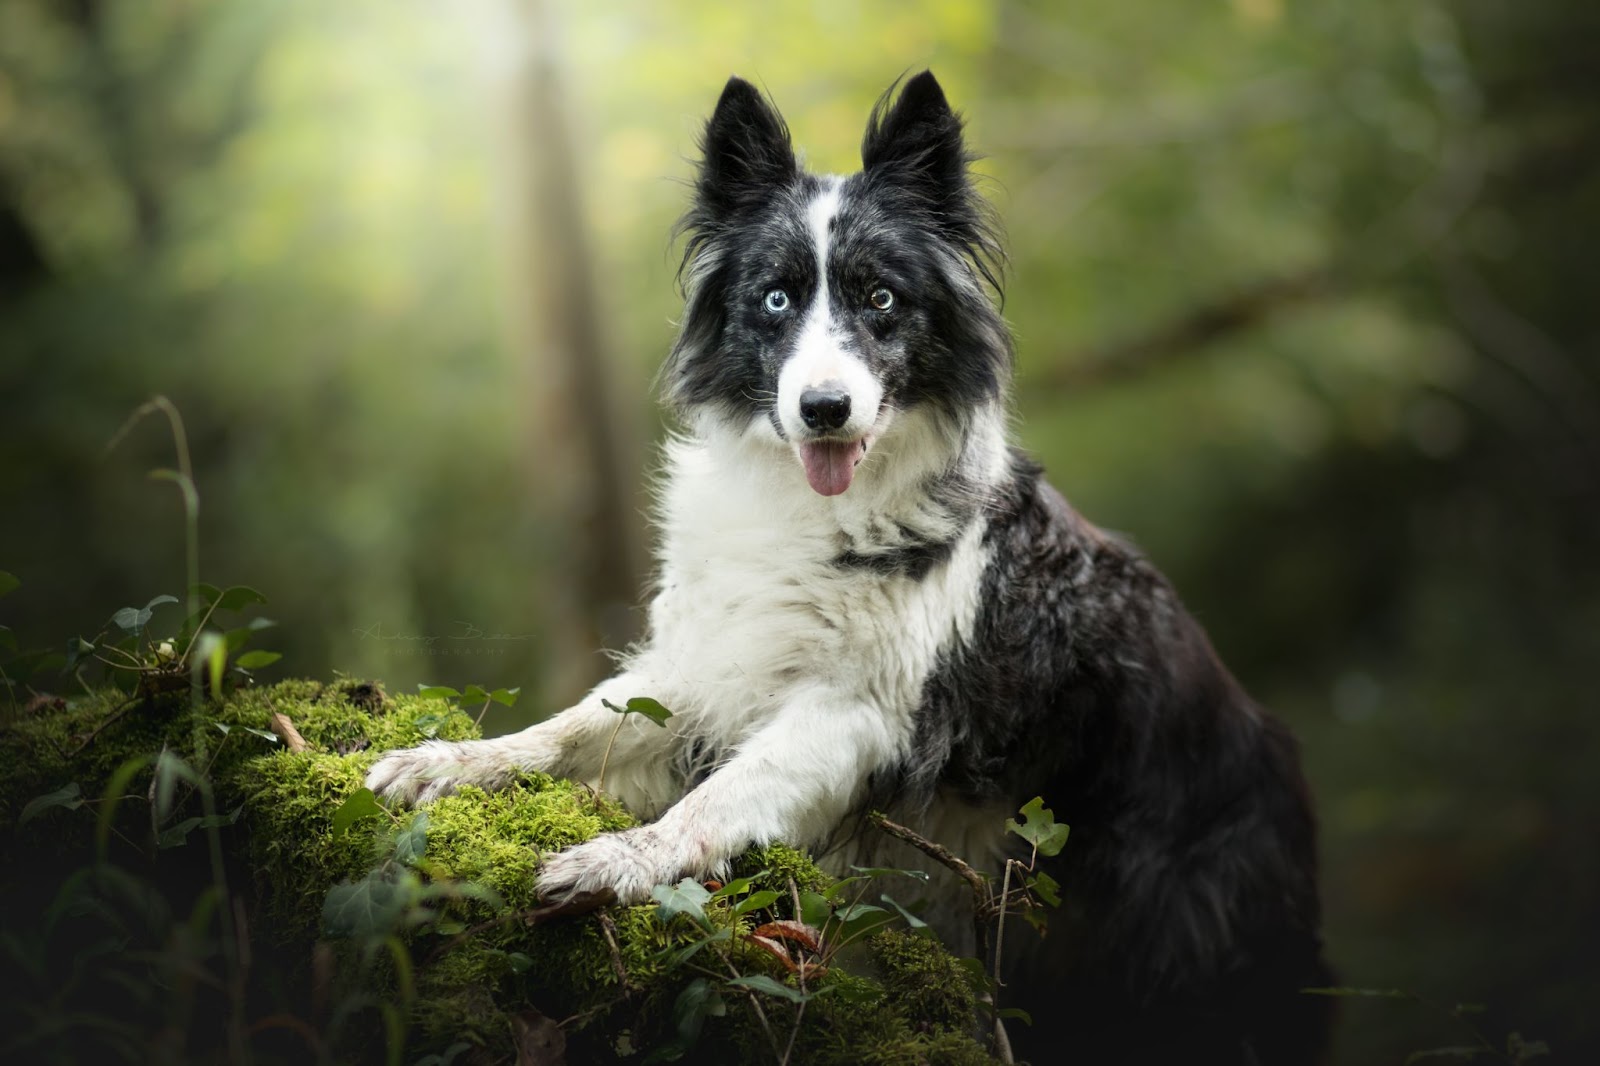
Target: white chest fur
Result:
[[754, 609]]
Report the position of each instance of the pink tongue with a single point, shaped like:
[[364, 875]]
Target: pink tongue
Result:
[[830, 465]]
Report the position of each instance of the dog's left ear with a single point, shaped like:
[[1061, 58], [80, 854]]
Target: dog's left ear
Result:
[[918, 138]]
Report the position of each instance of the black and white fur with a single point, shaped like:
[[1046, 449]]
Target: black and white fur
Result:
[[867, 596]]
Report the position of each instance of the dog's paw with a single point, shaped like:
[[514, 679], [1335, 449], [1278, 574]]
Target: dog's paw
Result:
[[628, 863], [421, 774]]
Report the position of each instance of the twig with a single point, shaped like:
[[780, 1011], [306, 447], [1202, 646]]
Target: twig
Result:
[[608, 929], [89, 738], [292, 739], [1002, 1041], [800, 1011], [980, 885]]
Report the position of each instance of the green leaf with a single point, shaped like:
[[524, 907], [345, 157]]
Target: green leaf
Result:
[[437, 692], [911, 919], [239, 596], [506, 696], [642, 705], [760, 982], [737, 887], [264, 734], [815, 910], [77, 648], [9, 582], [255, 660], [157, 601], [359, 805], [698, 1001], [756, 900], [412, 842], [520, 962], [131, 619], [208, 593], [475, 694], [371, 906], [976, 975], [686, 897], [1046, 888], [69, 797], [1040, 828], [1018, 1013]]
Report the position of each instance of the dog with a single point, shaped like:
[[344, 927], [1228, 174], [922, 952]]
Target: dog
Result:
[[867, 596]]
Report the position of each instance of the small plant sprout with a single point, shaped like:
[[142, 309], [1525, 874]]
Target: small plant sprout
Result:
[[506, 697], [643, 706]]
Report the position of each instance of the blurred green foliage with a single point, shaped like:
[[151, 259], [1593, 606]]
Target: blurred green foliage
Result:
[[1303, 297]]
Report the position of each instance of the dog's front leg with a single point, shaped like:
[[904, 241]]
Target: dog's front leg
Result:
[[571, 744], [794, 780]]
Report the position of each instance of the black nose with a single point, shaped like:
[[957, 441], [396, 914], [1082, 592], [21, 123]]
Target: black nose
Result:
[[825, 408]]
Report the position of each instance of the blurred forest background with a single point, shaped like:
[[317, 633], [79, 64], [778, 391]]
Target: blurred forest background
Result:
[[1305, 297]]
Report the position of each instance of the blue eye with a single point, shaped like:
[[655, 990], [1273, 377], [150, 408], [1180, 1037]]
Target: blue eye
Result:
[[882, 299], [777, 301]]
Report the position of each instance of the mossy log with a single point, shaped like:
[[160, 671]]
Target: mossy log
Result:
[[443, 949]]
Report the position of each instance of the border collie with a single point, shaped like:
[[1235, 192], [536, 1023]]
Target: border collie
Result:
[[866, 595]]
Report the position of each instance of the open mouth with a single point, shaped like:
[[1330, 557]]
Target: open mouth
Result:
[[831, 464]]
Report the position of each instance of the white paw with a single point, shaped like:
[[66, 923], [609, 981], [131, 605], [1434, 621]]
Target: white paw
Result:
[[629, 863], [424, 773]]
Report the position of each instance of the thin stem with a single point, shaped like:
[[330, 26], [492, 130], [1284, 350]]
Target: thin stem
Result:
[[600, 782]]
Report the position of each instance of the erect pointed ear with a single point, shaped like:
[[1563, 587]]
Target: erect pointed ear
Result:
[[745, 152], [919, 136]]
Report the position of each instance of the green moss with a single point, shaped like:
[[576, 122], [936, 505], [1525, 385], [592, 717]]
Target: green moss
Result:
[[916, 1009], [924, 979]]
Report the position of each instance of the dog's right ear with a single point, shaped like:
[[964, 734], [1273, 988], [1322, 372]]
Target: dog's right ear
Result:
[[745, 152]]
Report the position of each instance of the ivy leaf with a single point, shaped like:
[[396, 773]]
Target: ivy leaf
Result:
[[412, 842], [642, 705], [131, 619], [359, 805], [686, 897], [437, 692], [1046, 888], [208, 593], [475, 694], [1040, 828], [238, 596], [370, 906], [255, 660], [506, 696], [68, 797]]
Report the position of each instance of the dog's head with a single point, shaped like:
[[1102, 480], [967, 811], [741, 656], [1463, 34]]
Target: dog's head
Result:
[[821, 308]]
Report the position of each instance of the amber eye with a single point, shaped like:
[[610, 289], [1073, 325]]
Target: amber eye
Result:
[[882, 299]]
